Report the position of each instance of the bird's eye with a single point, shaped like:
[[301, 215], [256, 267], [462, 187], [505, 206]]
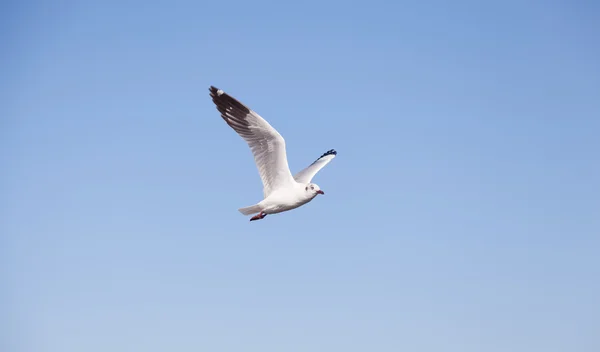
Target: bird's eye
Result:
[[306, 188], [312, 187]]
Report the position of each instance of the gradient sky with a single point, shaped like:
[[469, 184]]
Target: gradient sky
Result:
[[462, 213]]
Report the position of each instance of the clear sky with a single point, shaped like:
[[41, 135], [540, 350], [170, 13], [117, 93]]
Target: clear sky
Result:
[[461, 214]]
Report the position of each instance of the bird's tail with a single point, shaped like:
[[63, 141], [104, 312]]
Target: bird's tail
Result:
[[253, 209]]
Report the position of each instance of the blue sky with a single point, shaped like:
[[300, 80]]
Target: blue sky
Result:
[[461, 214]]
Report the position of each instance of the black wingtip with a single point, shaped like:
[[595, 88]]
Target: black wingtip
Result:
[[329, 152], [225, 102]]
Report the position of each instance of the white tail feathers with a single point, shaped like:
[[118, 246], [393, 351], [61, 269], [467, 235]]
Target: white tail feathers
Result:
[[253, 209]]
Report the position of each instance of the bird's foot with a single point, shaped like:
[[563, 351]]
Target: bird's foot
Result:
[[259, 216]]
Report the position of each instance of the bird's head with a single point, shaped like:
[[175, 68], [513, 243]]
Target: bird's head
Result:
[[313, 189]]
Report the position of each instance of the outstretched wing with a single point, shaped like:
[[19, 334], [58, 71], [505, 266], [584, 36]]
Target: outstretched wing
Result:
[[266, 144], [306, 175]]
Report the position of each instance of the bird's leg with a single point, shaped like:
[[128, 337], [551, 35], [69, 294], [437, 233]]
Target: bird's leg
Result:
[[259, 216]]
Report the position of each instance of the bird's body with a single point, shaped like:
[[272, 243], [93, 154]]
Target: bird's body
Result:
[[286, 199], [282, 191]]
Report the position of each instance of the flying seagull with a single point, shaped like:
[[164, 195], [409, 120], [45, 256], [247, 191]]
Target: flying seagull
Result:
[[282, 191]]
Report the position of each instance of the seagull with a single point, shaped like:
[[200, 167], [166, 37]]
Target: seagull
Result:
[[281, 190]]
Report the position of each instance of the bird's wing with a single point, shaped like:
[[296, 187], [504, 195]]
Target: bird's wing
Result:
[[306, 175], [266, 144]]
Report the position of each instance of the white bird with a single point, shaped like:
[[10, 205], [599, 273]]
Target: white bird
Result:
[[282, 191]]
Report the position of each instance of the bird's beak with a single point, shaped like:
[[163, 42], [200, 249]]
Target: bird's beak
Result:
[[320, 192]]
